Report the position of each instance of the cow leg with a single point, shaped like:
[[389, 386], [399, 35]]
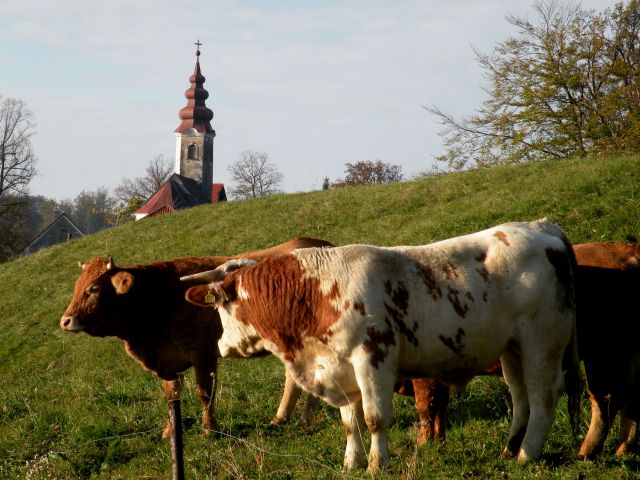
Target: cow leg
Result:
[[628, 426], [376, 386], [432, 399], [172, 391], [353, 423], [512, 371], [288, 402], [206, 385], [311, 406], [290, 396], [544, 383], [603, 410]]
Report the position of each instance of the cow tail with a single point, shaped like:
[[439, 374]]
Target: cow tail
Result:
[[571, 360], [573, 382]]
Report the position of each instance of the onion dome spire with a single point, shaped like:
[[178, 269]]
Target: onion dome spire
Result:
[[196, 114]]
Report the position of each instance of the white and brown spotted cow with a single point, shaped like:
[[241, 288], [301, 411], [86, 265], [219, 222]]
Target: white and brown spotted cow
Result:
[[348, 322]]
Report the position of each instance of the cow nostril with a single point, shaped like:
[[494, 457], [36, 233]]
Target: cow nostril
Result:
[[66, 321]]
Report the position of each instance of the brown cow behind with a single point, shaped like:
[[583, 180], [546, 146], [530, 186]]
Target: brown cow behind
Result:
[[608, 280], [144, 306]]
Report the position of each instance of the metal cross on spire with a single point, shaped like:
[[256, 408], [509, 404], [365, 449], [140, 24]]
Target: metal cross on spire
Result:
[[197, 44]]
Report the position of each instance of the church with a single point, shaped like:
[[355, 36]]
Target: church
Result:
[[191, 183]]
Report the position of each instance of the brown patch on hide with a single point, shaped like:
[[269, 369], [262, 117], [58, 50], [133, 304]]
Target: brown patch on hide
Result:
[[502, 237], [374, 422], [450, 269], [399, 296], [562, 264], [284, 305], [483, 272], [359, 307], [429, 279], [455, 343], [482, 269], [453, 296], [399, 309], [375, 342]]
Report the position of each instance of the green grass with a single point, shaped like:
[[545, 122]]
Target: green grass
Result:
[[73, 406]]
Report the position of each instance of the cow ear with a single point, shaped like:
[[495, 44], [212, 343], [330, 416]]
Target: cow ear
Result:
[[122, 282], [206, 296]]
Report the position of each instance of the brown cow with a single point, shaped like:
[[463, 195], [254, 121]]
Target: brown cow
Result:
[[432, 400], [144, 306], [608, 277]]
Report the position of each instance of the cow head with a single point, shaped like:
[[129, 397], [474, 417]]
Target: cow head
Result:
[[97, 290], [239, 338]]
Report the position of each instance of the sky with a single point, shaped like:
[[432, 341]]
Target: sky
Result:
[[314, 84]]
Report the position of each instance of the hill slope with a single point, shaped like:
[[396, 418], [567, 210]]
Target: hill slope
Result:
[[78, 406]]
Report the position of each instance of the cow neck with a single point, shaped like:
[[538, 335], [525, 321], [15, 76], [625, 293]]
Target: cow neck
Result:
[[291, 305], [157, 293]]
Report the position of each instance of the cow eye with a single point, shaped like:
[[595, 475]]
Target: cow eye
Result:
[[94, 289]]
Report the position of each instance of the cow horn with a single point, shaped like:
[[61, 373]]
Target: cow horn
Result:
[[110, 263], [222, 271], [209, 276], [81, 265]]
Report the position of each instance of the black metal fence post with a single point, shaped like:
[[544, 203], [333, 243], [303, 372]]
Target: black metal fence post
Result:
[[177, 457]]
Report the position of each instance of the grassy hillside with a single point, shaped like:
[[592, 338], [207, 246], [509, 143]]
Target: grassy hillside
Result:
[[73, 406]]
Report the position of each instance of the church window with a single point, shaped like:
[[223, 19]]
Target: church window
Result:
[[192, 152]]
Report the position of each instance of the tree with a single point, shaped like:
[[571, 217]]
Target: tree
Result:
[[14, 232], [133, 193], [17, 161], [140, 189], [254, 176], [568, 84], [366, 172], [93, 211]]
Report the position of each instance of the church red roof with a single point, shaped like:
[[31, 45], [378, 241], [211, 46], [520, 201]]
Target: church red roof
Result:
[[217, 193], [179, 192]]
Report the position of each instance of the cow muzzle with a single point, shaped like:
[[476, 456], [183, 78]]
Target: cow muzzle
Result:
[[69, 323]]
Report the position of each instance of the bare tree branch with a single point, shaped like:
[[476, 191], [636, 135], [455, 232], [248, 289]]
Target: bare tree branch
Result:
[[17, 161], [139, 190], [254, 176]]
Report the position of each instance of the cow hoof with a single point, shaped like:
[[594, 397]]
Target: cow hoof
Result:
[[506, 453], [622, 449], [278, 421], [166, 433], [210, 429], [360, 461]]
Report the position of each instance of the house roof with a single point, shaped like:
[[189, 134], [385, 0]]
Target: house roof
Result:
[[218, 193], [61, 222], [177, 192]]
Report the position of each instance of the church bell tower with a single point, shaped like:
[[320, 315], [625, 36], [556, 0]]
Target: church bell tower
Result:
[[194, 135]]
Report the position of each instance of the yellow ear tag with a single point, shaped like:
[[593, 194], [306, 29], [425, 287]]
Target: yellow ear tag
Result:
[[209, 298]]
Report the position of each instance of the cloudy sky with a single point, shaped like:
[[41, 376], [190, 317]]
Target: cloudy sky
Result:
[[314, 84]]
